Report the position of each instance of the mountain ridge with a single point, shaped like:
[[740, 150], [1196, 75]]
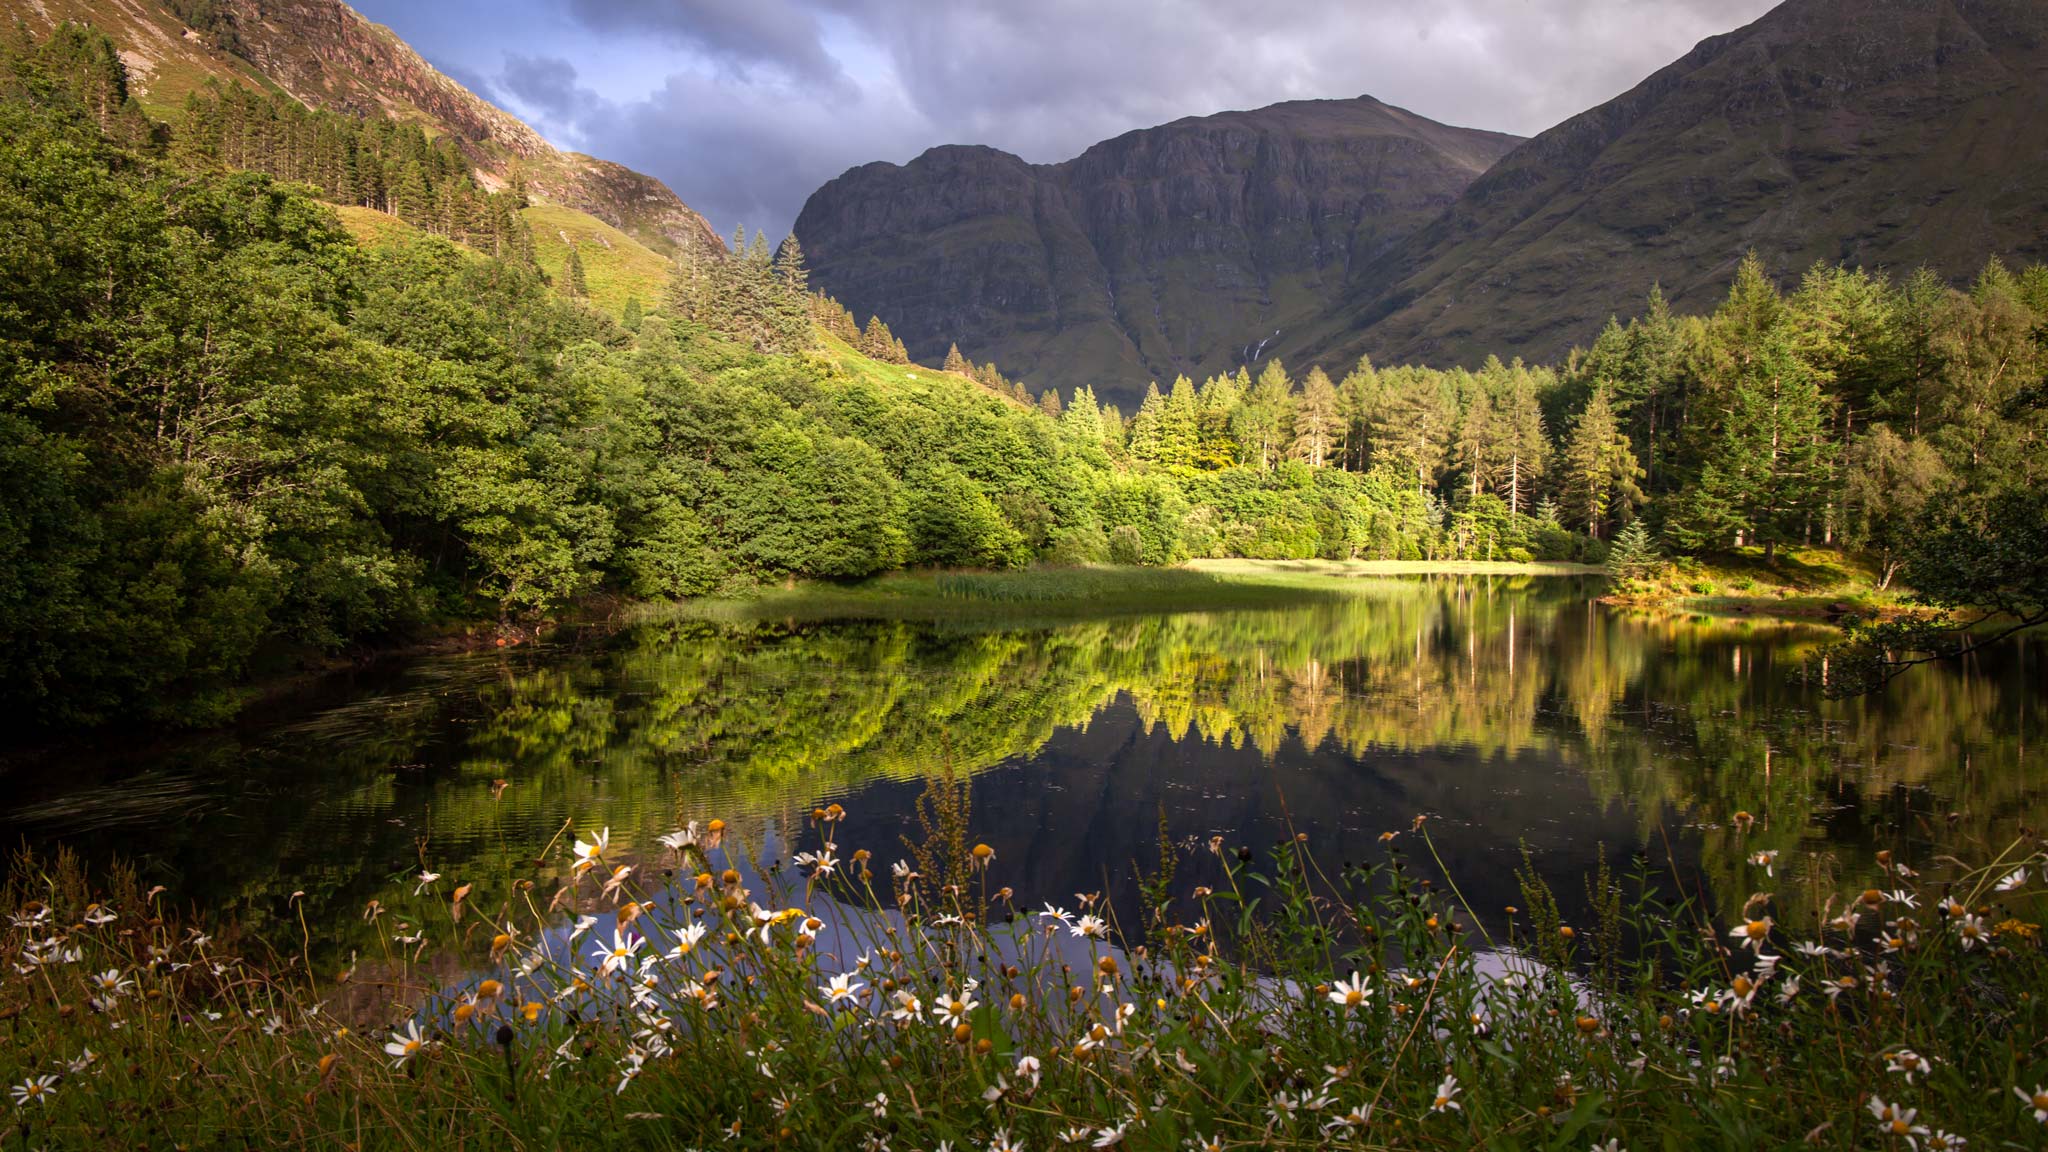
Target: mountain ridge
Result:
[[1159, 251], [1884, 133]]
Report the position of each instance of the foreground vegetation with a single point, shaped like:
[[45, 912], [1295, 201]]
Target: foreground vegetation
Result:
[[684, 995]]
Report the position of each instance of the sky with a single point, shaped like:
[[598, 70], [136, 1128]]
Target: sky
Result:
[[745, 107]]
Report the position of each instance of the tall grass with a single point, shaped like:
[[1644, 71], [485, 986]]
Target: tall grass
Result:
[[681, 996]]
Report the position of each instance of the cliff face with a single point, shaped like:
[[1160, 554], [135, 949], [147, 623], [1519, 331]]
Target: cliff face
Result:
[[1181, 248], [328, 56], [1882, 133]]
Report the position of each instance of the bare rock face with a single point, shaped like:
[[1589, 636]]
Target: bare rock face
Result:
[[1883, 133], [1182, 248]]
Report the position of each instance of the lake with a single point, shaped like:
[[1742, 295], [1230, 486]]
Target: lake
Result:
[[1519, 714]]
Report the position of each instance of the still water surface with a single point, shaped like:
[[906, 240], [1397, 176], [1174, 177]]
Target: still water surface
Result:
[[1519, 714]]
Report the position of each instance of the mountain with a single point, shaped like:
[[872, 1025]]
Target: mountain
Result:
[[1882, 133], [1181, 248], [328, 56]]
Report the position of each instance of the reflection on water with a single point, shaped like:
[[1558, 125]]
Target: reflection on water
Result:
[[1517, 713]]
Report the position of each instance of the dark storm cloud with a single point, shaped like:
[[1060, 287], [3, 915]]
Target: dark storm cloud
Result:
[[746, 106]]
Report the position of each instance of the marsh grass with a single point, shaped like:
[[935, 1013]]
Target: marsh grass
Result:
[[679, 995]]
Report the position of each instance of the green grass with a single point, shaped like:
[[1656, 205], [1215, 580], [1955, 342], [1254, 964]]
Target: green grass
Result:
[[372, 228], [1356, 568], [616, 267], [1802, 583], [1035, 593]]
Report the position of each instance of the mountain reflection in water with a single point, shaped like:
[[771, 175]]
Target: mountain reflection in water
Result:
[[1516, 713]]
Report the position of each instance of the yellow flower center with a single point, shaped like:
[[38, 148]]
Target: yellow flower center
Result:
[[1354, 998], [2041, 1099], [411, 1046]]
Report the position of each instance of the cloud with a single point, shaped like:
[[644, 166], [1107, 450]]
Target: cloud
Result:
[[746, 106]]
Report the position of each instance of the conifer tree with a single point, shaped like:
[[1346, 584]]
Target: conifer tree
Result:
[[1180, 425], [1479, 441], [1600, 470], [1049, 402], [1525, 445], [573, 280], [1265, 419], [1146, 439], [629, 317], [1318, 424], [955, 362]]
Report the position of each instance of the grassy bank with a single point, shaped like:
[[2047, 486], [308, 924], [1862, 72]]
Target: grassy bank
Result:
[[1797, 583], [1087, 590], [839, 1002]]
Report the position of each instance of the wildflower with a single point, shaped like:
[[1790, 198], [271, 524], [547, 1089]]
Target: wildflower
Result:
[[821, 863], [1358, 1117], [1939, 1141], [616, 885], [96, 916], [1970, 931], [680, 839], [619, 954], [880, 1105], [2038, 1102], [426, 878], [984, 855], [1203, 1144], [590, 854], [1002, 1142], [1074, 1135], [85, 1060], [1447, 1096], [1091, 926], [841, 989], [953, 1010], [687, 941], [583, 924], [1059, 914], [1767, 860], [1894, 1120], [908, 1007], [1752, 934], [1902, 896], [995, 1092], [1790, 991], [629, 1068], [2012, 881], [1351, 995], [112, 982], [1613, 1145], [1908, 1062], [1110, 1137], [405, 1045], [1028, 1069], [36, 1089]]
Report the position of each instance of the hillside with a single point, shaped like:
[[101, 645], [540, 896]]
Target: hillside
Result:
[[1175, 249], [328, 56], [1881, 133]]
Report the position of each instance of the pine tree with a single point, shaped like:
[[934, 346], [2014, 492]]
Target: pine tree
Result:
[[1600, 470], [1412, 429], [1264, 419], [1633, 554], [573, 280], [1146, 440], [630, 317], [1049, 402], [955, 362], [1180, 425], [1524, 443], [1479, 441], [1318, 424]]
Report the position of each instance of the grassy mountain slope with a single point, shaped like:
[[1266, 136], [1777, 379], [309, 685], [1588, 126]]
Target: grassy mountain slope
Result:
[[1883, 133], [1167, 250], [616, 267], [328, 56]]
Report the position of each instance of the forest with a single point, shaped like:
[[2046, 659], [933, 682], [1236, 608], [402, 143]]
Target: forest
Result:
[[231, 435]]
